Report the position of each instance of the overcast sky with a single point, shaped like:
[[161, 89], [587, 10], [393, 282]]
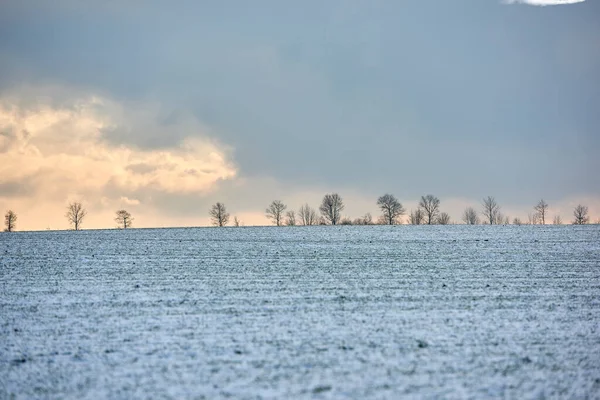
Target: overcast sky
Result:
[[164, 108]]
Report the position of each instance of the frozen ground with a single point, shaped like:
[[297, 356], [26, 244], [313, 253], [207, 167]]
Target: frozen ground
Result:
[[320, 312]]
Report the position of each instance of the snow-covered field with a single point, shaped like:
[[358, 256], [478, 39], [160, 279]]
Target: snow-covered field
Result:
[[305, 312]]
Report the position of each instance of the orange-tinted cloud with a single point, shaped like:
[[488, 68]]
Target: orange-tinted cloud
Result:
[[52, 154]]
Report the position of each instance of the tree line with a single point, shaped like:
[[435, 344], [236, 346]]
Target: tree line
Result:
[[427, 213], [330, 213], [75, 216]]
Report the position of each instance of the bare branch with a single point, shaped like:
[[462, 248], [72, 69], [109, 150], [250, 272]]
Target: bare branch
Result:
[[491, 209], [541, 209], [124, 219], [366, 219], [10, 221], [431, 207], [443, 219], [219, 215], [290, 218], [501, 219], [331, 207], [470, 216], [75, 214], [581, 215], [275, 212], [308, 215], [391, 208], [533, 219], [416, 217], [517, 221]]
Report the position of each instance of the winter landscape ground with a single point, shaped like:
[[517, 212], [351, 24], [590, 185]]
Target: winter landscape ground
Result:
[[303, 312]]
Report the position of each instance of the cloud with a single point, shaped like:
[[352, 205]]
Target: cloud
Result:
[[54, 150], [130, 202], [543, 2], [63, 150]]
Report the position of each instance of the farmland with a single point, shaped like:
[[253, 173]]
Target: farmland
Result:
[[301, 312]]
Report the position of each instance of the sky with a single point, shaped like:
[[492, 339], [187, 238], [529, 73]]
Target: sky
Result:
[[164, 108]]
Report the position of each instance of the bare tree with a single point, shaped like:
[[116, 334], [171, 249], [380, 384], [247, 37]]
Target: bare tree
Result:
[[236, 222], [391, 208], [431, 207], [366, 219], [501, 219], [75, 214], [557, 220], [416, 217], [491, 209], [470, 216], [124, 219], [517, 221], [10, 220], [331, 207], [541, 209], [291, 218], [443, 219], [219, 215], [533, 219], [581, 215], [275, 212], [346, 221], [308, 215]]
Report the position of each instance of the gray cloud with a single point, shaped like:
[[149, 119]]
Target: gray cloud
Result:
[[152, 131], [543, 2], [141, 168], [19, 188]]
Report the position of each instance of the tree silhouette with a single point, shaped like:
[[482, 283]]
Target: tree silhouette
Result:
[[541, 208], [391, 209], [275, 212], [331, 207], [308, 215], [581, 215], [219, 215], [366, 219], [124, 219], [75, 214], [501, 219], [517, 221], [491, 209], [416, 217], [431, 207], [290, 218], [10, 221], [470, 216], [443, 219]]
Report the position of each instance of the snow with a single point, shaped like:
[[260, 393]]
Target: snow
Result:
[[301, 312]]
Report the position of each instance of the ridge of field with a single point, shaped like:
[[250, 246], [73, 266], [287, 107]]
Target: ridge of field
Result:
[[301, 312]]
